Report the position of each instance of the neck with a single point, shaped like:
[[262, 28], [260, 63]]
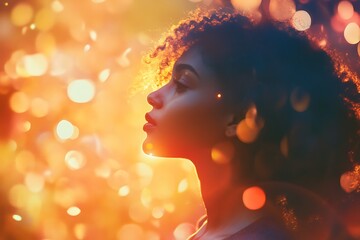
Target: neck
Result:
[[222, 197]]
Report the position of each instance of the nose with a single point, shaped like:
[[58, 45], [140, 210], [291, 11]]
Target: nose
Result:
[[154, 99]]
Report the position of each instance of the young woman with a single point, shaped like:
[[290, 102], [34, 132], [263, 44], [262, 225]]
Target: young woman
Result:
[[267, 118]]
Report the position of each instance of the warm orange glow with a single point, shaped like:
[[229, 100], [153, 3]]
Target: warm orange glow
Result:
[[349, 182], [345, 9], [223, 152], [44, 19], [254, 198], [65, 130], [34, 182], [22, 14], [19, 102], [183, 231], [39, 107], [16, 217], [282, 10], [352, 33], [246, 5], [75, 160]]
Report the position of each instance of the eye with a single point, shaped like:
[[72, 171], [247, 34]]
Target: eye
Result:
[[180, 87]]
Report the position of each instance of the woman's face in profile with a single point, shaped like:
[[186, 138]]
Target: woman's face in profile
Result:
[[188, 113]]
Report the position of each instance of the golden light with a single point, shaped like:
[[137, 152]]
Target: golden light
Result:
[[75, 160], [17, 195], [39, 107], [34, 182], [44, 19], [282, 10], [222, 153], [81, 91], [21, 14], [17, 217], [301, 20], [104, 75], [183, 185], [33, 65], [123, 60], [299, 100], [254, 198], [19, 102], [73, 211], [352, 33], [65, 130], [158, 212], [80, 231], [118, 179], [345, 10], [218, 96], [130, 231], [57, 6], [93, 35], [246, 5], [124, 191], [139, 213], [183, 231]]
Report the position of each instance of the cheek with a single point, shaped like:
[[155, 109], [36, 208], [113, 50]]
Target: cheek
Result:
[[193, 124]]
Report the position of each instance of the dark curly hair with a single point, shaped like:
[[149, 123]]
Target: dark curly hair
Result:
[[308, 99]]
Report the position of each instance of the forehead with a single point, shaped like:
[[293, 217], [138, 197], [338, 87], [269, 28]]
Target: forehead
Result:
[[194, 58]]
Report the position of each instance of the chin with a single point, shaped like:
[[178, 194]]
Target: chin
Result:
[[161, 150]]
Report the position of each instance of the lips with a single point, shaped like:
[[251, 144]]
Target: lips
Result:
[[150, 125]]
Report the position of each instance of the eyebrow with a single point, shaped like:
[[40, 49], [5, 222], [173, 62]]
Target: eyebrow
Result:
[[181, 66]]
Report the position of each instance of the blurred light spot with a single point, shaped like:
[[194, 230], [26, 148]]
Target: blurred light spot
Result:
[[169, 207], [322, 43], [345, 10], [60, 64], [22, 14], [123, 60], [183, 231], [24, 161], [34, 182], [246, 5], [44, 19], [254, 198], [299, 100], [103, 171], [25, 126], [16, 217], [158, 212], [57, 6], [349, 182], [124, 191], [73, 211], [282, 10], [130, 231], [81, 91], [301, 20], [6, 4], [145, 173], [87, 47], [146, 197], [19, 102], [93, 35], [64, 130], [284, 146], [32, 26], [18, 196], [183, 185], [75, 160], [152, 235], [138, 212], [80, 231], [223, 152], [352, 33], [35, 64], [118, 179], [218, 96], [98, 1], [39, 107], [104, 75]]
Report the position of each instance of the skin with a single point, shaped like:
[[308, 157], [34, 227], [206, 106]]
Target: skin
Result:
[[187, 120]]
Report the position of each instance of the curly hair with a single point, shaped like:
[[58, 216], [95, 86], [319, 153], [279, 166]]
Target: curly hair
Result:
[[307, 97]]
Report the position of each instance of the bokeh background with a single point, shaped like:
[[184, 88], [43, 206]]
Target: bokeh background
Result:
[[72, 111]]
